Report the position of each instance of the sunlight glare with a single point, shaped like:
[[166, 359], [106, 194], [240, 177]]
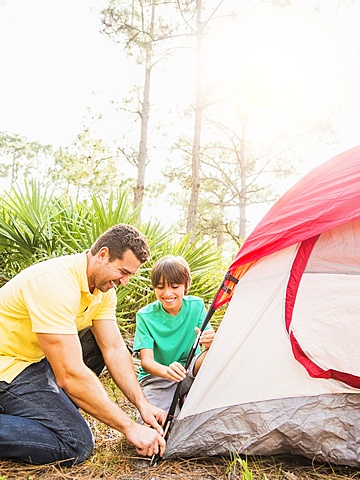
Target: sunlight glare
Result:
[[289, 64]]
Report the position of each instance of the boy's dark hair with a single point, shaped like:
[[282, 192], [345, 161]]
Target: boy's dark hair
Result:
[[120, 238], [171, 269]]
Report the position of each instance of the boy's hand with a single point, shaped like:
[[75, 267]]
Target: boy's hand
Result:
[[175, 372], [206, 337]]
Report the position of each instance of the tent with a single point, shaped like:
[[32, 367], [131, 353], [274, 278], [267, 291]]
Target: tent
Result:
[[283, 374]]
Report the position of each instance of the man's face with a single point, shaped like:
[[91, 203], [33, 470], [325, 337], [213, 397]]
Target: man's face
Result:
[[106, 274]]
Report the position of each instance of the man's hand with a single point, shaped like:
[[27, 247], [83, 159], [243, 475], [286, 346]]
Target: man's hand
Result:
[[147, 441], [153, 416]]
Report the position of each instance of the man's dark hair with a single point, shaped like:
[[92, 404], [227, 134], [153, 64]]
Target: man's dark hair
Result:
[[120, 238]]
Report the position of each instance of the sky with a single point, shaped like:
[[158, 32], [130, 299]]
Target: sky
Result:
[[57, 69], [303, 62], [55, 64]]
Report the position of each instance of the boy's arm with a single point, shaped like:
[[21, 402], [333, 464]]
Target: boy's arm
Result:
[[174, 372]]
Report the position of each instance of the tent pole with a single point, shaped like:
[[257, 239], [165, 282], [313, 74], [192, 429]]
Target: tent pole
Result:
[[170, 415]]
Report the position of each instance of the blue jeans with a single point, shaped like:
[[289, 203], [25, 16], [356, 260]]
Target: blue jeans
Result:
[[39, 424]]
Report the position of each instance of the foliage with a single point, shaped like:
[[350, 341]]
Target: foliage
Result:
[[88, 164], [35, 225], [82, 222], [140, 24], [19, 157], [236, 173], [28, 227]]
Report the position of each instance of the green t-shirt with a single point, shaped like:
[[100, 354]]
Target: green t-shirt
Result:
[[170, 337]]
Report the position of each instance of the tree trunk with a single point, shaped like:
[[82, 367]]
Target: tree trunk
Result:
[[144, 115], [195, 184], [243, 191]]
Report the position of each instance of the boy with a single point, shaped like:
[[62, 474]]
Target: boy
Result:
[[166, 330]]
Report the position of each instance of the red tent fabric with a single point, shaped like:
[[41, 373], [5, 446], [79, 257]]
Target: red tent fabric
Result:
[[326, 197]]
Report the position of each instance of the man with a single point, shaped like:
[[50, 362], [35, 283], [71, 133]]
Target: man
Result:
[[46, 366]]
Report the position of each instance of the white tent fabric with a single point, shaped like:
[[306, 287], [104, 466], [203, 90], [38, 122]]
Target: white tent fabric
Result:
[[329, 291], [251, 394]]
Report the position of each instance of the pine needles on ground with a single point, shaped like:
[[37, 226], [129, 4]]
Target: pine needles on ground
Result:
[[115, 459]]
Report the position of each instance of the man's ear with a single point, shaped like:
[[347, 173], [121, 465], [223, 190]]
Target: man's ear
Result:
[[103, 252]]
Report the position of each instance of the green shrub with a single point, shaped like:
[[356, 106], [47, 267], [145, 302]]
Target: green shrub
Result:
[[36, 225]]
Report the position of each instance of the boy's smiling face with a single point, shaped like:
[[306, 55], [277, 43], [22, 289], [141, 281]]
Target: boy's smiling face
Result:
[[170, 296]]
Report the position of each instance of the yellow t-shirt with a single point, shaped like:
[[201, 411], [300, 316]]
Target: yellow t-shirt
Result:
[[48, 297]]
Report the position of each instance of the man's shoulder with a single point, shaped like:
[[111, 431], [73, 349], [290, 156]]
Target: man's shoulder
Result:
[[52, 264], [59, 269]]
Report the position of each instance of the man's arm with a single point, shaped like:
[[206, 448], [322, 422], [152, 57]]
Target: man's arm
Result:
[[120, 366], [65, 357]]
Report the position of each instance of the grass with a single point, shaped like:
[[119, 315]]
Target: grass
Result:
[[115, 459]]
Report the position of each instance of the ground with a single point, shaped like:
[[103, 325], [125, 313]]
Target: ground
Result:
[[114, 459]]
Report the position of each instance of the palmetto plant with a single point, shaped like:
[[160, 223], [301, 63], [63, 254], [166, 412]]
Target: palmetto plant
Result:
[[35, 225], [27, 220]]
